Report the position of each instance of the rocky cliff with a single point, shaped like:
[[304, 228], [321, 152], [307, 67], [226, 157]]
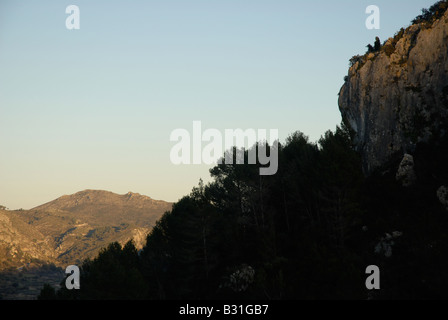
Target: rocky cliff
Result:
[[396, 97]]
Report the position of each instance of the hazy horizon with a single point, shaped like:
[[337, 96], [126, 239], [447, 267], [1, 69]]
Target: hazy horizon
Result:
[[94, 108]]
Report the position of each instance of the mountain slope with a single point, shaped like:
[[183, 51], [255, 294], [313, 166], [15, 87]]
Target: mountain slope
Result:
[[104, 207], [75, 227], [20, 243]]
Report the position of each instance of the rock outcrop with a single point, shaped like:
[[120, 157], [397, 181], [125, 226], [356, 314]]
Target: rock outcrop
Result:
[[406, 173], [397, 97], [442, 195]]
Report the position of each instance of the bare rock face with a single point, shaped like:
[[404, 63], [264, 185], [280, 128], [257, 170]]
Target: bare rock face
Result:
[[396, 97]]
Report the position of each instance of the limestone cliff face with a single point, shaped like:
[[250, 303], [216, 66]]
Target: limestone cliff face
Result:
[[396, 97]]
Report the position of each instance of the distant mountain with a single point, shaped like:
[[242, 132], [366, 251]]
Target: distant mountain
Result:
[[75, 227]]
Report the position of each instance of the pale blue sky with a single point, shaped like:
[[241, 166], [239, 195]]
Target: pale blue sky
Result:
[[94, 108]]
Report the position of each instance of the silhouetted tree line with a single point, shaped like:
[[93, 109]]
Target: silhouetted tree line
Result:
[[376, 46], [307, 232]]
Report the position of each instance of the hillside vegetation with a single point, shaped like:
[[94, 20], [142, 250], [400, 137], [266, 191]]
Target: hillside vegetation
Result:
[[308, 232]]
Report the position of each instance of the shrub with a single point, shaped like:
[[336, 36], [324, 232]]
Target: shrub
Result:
[[389, 49]]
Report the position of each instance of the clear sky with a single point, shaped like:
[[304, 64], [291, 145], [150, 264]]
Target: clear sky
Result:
[[94, 108]]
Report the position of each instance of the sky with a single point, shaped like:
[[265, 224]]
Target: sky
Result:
[[94, 107]]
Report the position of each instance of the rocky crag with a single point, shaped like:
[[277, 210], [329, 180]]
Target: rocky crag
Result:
[[397, 96]]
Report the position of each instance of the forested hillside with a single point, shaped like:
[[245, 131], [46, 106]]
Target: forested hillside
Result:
[[308, 232]]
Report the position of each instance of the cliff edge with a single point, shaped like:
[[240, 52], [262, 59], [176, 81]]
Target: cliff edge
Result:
[[397, 96]]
